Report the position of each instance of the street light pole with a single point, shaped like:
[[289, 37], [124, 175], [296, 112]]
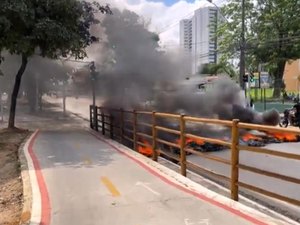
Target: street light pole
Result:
[[93, 79], [242, 48]]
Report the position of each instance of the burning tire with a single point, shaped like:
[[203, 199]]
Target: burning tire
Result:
[[283, 123]]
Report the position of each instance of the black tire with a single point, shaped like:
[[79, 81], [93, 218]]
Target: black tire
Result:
[[283, 123]]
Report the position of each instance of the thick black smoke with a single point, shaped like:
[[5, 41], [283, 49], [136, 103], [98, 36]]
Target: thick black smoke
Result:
[[136, 74], [134, 65], [141, 76]]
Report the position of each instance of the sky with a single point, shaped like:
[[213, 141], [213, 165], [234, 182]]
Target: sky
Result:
[[164, 15], [170, 2]]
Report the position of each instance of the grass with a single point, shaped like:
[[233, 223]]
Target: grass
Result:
[[258, 94], [271, 103]]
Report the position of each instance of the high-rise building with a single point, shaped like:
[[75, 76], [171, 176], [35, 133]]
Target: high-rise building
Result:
[[198, 37], [186, 34]]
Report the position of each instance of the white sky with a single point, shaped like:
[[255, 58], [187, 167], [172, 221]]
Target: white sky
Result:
[[164, 19]]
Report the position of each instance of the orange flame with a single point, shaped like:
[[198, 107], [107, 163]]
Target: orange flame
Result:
[[248, 137], [284, 136], [198, 141], [145, 150]]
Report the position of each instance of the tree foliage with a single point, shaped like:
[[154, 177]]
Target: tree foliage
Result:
[[219, 68], [50, 28], [272, 34]]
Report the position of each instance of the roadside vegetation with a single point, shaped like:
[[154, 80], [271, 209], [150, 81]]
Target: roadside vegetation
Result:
[[11, 188]]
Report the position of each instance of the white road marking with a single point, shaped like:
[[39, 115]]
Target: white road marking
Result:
[[199, 222], [145, 185]]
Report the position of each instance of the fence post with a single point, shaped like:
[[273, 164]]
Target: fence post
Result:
[[154, 136], [134, 130], [182, 146], [122, 125], [96, 118], [91, 116], [111, 126], [234, 188], [103, 122]]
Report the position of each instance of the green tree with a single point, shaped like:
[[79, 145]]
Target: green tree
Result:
[[229, 30], [49, 28], [219, 68], [272, 34]]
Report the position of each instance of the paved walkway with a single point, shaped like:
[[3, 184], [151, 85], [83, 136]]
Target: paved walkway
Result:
[[79, 179]]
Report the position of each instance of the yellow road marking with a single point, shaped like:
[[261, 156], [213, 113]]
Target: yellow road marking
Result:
[[87, 162], [113, 190], [77, 146]]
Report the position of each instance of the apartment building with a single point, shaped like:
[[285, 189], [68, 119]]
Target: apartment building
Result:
[[198, 37]]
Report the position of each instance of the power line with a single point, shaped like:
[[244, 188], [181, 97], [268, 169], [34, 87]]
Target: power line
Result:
[[275, 41], [193, 43], [270, 42], [174, 23], [189, 14], [77, 61]]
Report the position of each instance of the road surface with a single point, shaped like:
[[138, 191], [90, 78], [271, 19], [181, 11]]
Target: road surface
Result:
[[279, 165], [85, 181]]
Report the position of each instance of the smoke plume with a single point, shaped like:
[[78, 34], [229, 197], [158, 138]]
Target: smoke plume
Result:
[[137, 74]]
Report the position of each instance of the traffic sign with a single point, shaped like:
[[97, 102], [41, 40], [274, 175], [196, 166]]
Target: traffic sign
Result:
[[264, 80], [254, 82]]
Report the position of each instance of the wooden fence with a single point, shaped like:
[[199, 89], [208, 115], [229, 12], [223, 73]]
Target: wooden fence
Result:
[[123, 126]]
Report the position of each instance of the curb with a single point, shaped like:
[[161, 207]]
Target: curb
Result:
[[27, 191]]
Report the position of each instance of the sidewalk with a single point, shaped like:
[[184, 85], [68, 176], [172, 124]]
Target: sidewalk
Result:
[[51, 118], [87, 180]]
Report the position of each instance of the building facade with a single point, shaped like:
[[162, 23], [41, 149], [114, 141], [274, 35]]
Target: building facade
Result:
[[291, 76], [186, 35], [198, 37]]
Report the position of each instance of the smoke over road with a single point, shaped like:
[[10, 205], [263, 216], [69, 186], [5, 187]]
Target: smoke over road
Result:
[[136, 71]]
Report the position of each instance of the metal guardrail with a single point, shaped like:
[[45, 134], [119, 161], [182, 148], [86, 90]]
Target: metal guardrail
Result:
[[127, 129]]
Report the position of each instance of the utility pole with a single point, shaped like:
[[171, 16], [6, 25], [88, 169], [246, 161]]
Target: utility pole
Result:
[[64, 96], [93, 80], [242, 48], [63, 88], [38, 97]]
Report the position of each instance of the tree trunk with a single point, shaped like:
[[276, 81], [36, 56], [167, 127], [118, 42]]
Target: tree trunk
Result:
[[278, 83], [40, 101], [15, 92], [30, 85]]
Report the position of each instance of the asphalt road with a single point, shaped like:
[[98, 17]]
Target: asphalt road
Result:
[[266, 162], [279, 165], [90, 183]]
